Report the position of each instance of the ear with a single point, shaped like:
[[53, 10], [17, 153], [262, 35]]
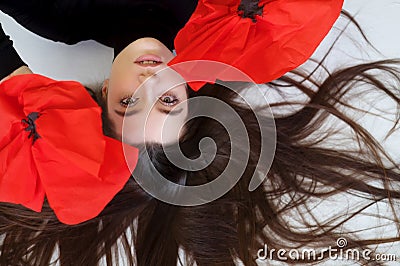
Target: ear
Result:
[[104, 89]]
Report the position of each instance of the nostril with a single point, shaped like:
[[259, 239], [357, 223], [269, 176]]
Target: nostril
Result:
[[146, 75], [149, 72]]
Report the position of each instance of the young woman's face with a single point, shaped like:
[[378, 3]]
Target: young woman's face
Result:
[[139, 109]]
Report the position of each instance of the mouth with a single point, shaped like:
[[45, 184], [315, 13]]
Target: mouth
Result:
[[149, 60]]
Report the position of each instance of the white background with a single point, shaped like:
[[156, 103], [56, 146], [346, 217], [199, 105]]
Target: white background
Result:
[[90, 62]]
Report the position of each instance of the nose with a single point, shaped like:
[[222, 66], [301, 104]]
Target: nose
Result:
[[148, 72]]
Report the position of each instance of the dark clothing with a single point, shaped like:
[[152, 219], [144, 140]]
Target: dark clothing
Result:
[[113, 23], [9, 59]]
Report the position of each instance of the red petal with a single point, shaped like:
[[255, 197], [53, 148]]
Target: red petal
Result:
[[282, 39]]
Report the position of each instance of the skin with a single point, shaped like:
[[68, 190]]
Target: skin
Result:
[[145, 103]]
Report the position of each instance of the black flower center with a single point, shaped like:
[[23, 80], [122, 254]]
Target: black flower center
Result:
[[31, 126], [249, 9]]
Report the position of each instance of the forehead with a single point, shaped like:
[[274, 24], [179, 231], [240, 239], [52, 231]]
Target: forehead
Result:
[[148, 123]]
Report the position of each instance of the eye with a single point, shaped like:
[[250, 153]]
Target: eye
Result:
[[169, 100], [128, 101]]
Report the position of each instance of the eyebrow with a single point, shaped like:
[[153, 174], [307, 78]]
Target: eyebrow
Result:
[[133, 112], [124, 114], [174, 112]]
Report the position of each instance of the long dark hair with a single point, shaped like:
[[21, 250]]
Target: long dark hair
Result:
[[307, 169]]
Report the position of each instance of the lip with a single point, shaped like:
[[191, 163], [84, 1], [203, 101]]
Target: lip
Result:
[[148, 57]]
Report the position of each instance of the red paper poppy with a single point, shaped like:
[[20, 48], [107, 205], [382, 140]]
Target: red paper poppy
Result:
[[279, 40], [51, 144]]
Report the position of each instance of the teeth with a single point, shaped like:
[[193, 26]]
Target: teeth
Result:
[[148, 62]]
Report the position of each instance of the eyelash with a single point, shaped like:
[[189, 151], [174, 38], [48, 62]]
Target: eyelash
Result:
[[173, 102], [125, 104], [161, 99]]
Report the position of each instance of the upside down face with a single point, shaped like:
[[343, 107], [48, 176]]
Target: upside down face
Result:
[[145, 98]]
